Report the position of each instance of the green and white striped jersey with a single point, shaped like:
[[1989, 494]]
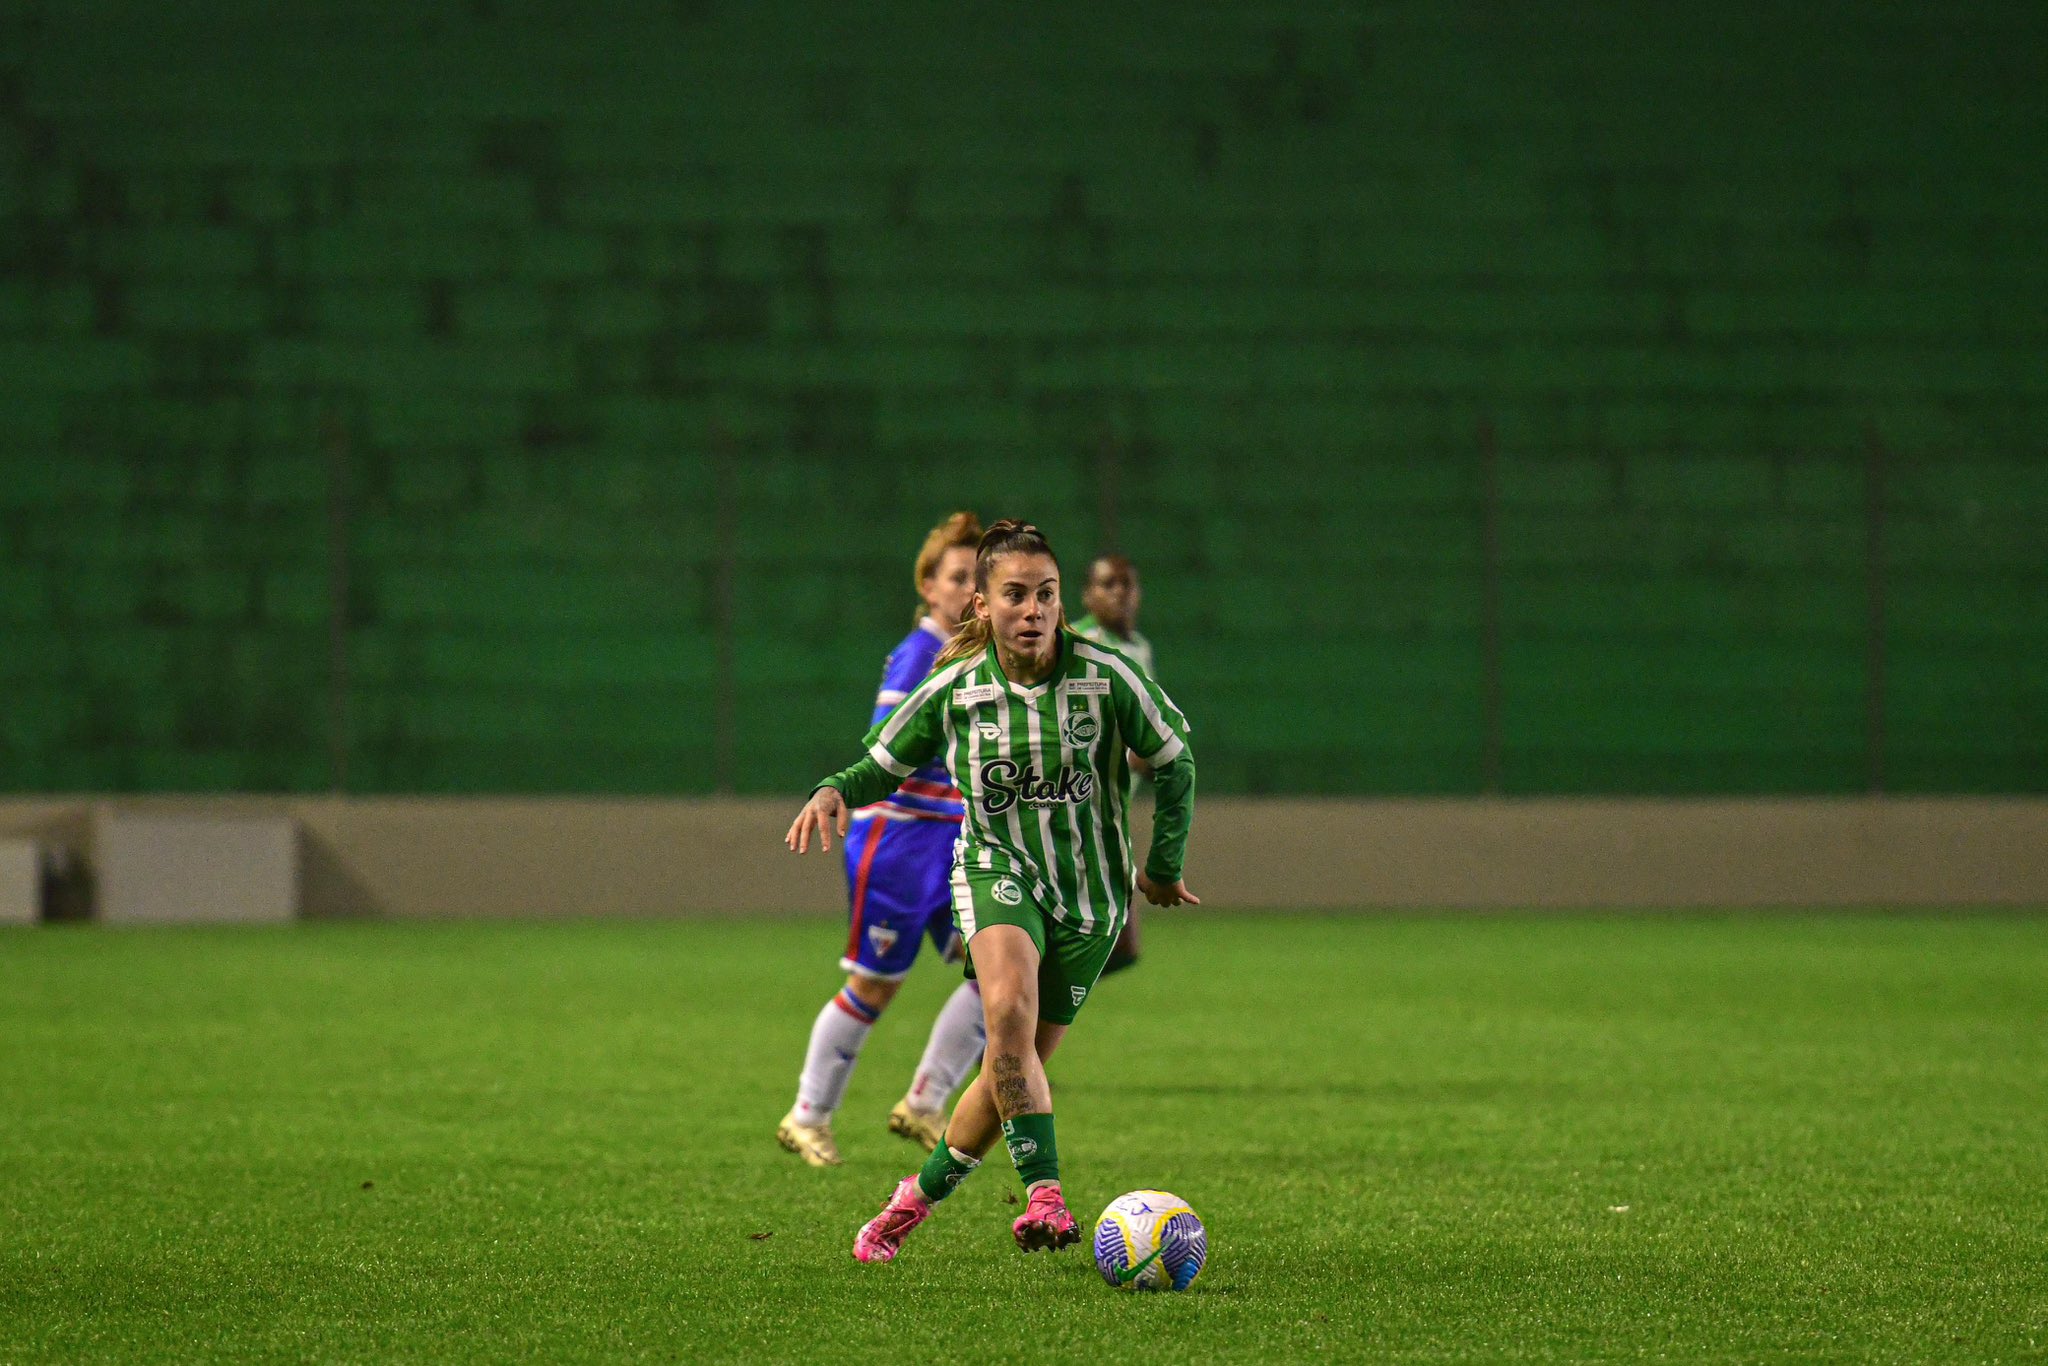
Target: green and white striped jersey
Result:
[[1043, 772], [1135, 645]]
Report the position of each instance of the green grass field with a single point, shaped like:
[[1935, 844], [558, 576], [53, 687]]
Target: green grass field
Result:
[[1518, 1138]]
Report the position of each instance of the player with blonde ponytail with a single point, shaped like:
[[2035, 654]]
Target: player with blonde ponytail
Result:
[[1034, 722]]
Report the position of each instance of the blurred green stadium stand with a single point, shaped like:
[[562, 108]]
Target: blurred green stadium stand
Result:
[[536, 272]]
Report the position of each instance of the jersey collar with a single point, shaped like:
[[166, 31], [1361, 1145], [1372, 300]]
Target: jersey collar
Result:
[[1036, 690]]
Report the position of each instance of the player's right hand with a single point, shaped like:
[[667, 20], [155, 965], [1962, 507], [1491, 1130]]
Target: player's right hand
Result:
[[825, 811]]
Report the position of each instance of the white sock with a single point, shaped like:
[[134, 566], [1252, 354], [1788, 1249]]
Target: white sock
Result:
[[958, 1039], [836, 1040]]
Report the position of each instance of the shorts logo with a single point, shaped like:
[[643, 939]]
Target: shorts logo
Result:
[[1080, 994], [882, 937], [990, 731], [1081, 729], [1007, 892]]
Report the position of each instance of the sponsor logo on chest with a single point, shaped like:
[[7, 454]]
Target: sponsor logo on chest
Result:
[[1004, 784]]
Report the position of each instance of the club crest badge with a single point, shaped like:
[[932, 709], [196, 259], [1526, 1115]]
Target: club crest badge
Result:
[[1081, 729], [1007, 892], [882, 937]]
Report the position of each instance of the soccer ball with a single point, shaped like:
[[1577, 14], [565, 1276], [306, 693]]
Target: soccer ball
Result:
[[1150, 1240]]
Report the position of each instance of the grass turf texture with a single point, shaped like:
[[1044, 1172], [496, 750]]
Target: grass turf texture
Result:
[[1497, 1139]]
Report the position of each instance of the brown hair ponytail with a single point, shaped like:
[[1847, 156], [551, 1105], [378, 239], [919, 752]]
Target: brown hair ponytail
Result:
[[1007, 537]]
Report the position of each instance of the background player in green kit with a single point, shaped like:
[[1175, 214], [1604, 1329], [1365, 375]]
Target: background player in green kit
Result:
[[1112, 597], [1034, 722]]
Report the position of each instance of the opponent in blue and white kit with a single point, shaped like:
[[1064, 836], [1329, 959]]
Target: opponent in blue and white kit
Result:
[[899, 859]]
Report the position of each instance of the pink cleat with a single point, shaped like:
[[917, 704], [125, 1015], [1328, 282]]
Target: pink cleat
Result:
[[881, 1237], [1045, 1222]]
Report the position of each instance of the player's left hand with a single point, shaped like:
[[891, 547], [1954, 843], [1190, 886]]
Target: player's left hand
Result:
[[1167, 893]]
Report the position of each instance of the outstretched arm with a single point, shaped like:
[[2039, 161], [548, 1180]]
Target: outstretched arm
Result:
[[898, 743], [828, 808]]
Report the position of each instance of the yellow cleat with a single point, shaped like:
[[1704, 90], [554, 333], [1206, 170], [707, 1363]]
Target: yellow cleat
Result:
[[812, 1142], [922, 1127]]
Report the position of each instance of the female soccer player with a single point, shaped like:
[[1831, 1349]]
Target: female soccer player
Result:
[[1112, 598], [897, 865], [1034, 721]]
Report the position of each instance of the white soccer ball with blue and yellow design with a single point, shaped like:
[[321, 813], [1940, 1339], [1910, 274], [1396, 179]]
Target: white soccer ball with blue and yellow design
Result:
[[1150, 1240]]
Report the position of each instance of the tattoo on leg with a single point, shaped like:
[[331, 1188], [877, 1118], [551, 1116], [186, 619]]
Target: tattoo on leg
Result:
[[1012, 1090]]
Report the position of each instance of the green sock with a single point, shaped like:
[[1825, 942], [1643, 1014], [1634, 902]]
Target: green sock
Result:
[[943, 1170], [1032, 1147]]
